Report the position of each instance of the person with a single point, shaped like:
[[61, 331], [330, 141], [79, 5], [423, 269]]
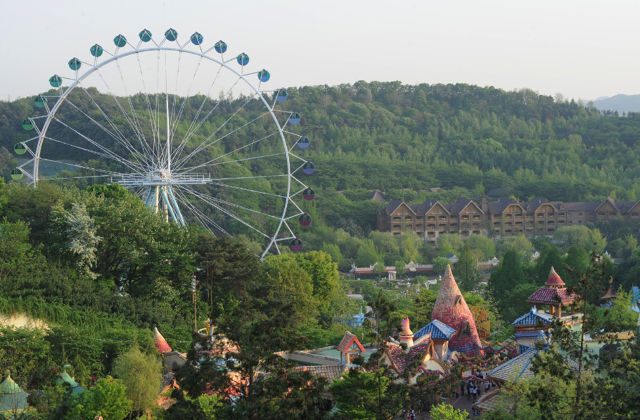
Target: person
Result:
[[474, 393], [412, 415]]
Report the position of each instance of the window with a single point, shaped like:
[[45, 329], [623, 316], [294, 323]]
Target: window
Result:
[[397, 218], [396, 226], [431, 218], [443, 218]]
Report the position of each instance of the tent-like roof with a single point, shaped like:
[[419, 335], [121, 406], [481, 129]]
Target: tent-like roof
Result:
[[347, 340], [12, 397], [547, 296], [439, 331], [451, 309]]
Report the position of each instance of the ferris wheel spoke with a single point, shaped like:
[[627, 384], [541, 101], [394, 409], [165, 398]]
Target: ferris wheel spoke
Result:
[[208, 200], [250, 177], [155, 131], [200, 216], [111, 134], [235, 187], [195, 124], [207, 141], [75, 165], [108, 153], [120, 137], [214, 160], [186, 97], [134, 115], [138, 134], [79, 148]]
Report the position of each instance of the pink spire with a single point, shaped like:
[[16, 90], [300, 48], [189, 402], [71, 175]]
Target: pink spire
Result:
[[159, 341], [554, 279], [451, 309], [406, 330]]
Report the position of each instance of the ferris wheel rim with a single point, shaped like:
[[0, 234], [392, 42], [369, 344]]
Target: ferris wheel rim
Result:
[[96, 66]]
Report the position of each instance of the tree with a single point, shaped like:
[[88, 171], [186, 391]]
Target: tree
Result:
[[506, 275], [142, 375], [484, 244], [582, 236], [367, 254], [108, 398], [366, 395], [466, 269], [444, 411], [80, 233], [293, 393], [440, 264]]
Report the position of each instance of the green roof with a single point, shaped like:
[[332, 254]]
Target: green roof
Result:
[[12, 397]]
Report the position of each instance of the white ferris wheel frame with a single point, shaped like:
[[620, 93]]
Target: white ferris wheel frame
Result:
[[203, 54]]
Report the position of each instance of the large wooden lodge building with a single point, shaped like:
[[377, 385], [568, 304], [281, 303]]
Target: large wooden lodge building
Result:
[[504, 217]]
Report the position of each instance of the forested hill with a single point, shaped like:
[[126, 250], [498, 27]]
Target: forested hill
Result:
[[463, 139]]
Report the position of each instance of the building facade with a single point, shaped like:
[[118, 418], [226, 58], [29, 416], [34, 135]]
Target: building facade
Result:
[[504, 217]]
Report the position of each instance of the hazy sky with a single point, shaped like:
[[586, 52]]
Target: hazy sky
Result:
[[580, 48]]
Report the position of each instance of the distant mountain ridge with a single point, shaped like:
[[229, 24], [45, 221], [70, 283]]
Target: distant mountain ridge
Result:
[[620, 103]]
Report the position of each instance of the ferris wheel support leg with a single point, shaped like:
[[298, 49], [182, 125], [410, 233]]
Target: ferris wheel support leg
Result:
[[176, 208], [156, 200], [168, 205], [148, 200]]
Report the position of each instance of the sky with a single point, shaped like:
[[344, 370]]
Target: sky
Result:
[[581, 49]]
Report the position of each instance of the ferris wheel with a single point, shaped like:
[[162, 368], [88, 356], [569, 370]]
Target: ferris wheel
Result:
[[189, 128]]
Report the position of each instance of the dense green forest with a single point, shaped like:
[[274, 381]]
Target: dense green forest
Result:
[[465, 140]]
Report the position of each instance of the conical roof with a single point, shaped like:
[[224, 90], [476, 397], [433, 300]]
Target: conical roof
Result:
[[159, 341], [451, 309], [12, 397], [8, 386], [554, 279]]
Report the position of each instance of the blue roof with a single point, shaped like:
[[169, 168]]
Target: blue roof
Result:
[[533, 317], [438, 330], [529, 334]]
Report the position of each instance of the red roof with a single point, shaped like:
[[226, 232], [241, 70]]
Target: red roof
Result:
[[554, 279], [159, 341], [347, 341], [546, 295], [400, 360]]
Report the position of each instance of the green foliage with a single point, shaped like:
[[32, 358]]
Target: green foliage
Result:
[[365, 395], [444, 411], [466, 269], [142, 376], [108, 398], [581, 236]]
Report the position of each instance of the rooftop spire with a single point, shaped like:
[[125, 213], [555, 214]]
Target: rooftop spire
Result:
[[451, 309], [159, 341], [554, 279]]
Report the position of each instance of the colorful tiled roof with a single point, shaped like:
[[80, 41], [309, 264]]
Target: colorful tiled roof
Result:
[[439, 330], [451, 309], [547, 296], [346, 342], [329, 372], [400, 360], [533, 317], [515, 369], [529, 334], [554, 279], [159, 341]]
